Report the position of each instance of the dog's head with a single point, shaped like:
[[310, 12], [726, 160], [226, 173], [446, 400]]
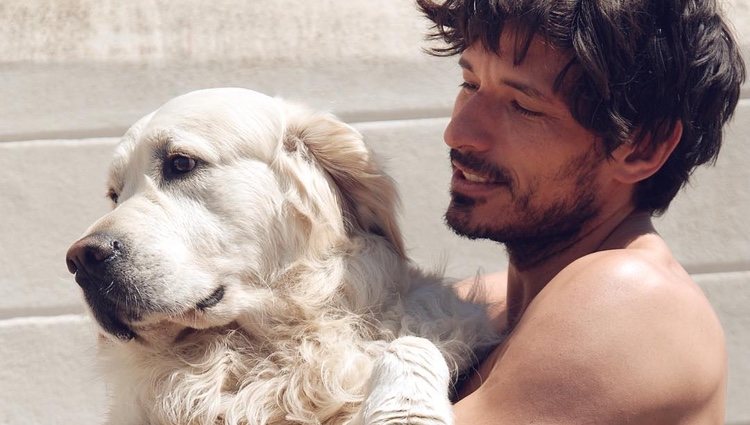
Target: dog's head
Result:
[[214, 194]]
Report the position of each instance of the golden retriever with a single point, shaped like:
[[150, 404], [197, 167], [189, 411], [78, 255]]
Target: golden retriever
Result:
[[252, 271]]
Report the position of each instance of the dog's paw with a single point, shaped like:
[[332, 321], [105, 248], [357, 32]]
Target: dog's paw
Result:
[[409, 385]]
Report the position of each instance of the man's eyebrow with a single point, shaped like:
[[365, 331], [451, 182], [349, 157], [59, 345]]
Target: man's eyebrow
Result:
[[463, 63], [525, 89], [518, 85]]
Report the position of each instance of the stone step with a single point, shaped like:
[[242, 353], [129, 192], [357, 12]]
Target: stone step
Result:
[[68, 101], [145, 31]]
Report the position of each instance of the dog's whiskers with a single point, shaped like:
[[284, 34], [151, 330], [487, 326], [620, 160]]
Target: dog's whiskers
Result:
[[109, 287], [138, 296]]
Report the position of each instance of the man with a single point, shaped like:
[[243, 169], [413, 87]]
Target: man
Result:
[[576, 122]]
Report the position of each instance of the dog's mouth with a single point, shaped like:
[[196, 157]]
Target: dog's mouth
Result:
[[106, 313], [122, 324], [211, 300]]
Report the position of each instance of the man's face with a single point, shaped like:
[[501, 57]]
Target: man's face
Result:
[[525, 172]]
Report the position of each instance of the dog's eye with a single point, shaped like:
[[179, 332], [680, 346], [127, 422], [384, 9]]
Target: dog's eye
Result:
[[181, 164], [112, 195]]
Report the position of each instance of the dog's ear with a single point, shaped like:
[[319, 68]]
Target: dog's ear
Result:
[[369, 197]]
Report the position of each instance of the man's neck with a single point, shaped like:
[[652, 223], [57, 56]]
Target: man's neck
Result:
[[611, 231]]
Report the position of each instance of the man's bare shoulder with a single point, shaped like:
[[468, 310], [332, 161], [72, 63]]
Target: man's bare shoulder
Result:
[[491, 289], [619, 336]]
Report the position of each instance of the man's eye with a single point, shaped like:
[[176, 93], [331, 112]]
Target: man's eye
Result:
[[180, 164], [469, 86], [523, 111]]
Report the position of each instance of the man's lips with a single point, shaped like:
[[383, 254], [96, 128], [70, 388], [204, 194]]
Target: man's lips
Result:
[[473, 177], [463, 178]]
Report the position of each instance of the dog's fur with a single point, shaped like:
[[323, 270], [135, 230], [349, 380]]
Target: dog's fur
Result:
[[264, 285]]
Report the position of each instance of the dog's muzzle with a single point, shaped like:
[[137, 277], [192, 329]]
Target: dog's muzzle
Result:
[[94, 260]]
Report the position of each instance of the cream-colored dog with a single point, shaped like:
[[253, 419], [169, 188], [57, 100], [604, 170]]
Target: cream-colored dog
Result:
[[252, 272]]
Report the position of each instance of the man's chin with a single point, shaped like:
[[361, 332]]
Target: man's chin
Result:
[[459, 220]]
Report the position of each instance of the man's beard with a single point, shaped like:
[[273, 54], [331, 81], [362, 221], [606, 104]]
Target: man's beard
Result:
[[540, 230]]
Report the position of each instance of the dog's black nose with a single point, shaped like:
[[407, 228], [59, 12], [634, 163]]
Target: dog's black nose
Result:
[[91, 252]]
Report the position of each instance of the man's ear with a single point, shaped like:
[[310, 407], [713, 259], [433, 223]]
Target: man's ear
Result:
[[639, 159]]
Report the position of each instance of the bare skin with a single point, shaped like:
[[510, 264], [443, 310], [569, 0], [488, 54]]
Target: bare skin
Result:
[[605, 327]]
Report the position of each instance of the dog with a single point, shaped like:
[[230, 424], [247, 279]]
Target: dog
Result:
[[252, 271]]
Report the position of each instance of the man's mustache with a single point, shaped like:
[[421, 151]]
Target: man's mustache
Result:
[[480, 167]]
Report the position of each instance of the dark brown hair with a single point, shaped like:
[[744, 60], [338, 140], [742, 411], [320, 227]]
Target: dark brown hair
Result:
[[641, 67]]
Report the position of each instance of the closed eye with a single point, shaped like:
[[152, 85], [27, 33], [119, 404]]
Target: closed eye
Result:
[[471, 87], [523, 111]]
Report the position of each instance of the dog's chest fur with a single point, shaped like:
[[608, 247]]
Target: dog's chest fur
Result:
[[307, 370], [291, 365], [312, 377]]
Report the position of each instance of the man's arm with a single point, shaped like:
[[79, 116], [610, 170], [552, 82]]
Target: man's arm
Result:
[[614, 338]]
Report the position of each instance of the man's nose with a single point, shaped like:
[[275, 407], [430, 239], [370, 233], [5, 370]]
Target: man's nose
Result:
[[91, 253], [471, 126]]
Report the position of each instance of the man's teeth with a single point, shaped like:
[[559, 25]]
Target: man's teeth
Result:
[[474, 178]]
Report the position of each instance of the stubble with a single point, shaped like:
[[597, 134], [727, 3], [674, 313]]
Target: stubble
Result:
[[531, 232]]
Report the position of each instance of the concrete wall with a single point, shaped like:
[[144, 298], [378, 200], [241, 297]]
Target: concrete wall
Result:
[[74, 74]]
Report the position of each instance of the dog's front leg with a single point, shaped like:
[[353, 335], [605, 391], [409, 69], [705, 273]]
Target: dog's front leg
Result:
[[409, 385]]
